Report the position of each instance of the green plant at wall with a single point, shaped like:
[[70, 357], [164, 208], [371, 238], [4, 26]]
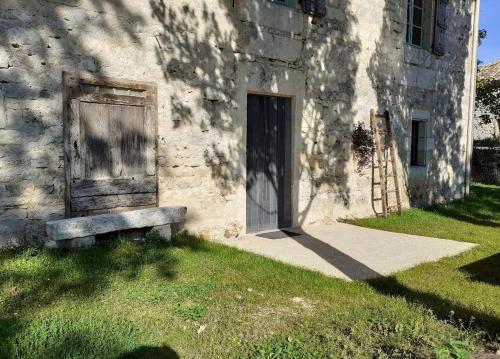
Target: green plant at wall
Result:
[[488, 100], [362, 146]]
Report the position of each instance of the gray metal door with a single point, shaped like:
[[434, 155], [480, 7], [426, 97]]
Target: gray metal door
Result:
[[268, 163]]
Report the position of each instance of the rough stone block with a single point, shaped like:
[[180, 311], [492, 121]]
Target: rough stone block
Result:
[[13, 214], [284, 18], [164, 232], [20, 36], [46, 213], [88, 63], [76, 243], [214, 95], [3, 112], [93, 225], [4, 58], [12, 225]]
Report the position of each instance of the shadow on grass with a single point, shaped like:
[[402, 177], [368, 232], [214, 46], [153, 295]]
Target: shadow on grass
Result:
[[72, 338], [32, 279], [486, 270], [146, 352], [83, 274], [480, 208], [441, 307]]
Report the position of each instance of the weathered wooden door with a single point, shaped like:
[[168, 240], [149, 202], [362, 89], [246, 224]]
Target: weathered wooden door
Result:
[[269, 161], [110, 145]]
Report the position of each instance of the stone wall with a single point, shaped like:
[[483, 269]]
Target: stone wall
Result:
[[486, 165], [485, 130], [206, 56]]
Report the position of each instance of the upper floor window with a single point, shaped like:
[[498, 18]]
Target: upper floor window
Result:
[[415, 22], [420, 23], [426, 24]]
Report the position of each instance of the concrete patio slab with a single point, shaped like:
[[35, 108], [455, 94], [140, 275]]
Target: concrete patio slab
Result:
[[349, 252]]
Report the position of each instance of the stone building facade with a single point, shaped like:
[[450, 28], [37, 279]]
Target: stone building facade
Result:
[[484, 130], [205, 57]]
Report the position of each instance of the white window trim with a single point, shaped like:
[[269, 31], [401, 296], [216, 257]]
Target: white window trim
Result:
[[424, 116], [426, 139]]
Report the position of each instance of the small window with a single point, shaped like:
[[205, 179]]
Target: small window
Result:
[[418, 143], [290, 3], [420, 24], [415, 22]]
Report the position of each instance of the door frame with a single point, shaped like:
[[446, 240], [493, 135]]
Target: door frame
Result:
[[71, 90], [292, 158]]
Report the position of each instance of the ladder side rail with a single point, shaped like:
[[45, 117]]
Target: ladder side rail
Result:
[[393, 161], [383, 180]]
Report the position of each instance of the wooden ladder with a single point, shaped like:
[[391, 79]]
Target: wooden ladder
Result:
[[384, 161]]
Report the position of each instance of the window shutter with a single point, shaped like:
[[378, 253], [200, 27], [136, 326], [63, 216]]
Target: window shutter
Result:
[[314, 7], [308, 6], [440, 27], [321, 8], [110, 145]]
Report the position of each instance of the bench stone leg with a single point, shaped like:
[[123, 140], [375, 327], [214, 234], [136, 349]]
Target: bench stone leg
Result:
[[81, 243], [76, 243], [134, 235], [164, 231]]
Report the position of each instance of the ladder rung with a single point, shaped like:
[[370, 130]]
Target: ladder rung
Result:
[[379, 183], [383, 163]]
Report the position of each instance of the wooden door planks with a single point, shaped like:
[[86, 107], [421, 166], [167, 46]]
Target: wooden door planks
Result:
[[110, 129]]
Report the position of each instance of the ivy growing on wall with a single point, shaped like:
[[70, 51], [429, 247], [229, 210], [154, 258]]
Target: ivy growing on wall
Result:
[[362, 146]]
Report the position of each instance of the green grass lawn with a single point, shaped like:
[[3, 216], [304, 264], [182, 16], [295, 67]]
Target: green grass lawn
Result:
[[204, 300]]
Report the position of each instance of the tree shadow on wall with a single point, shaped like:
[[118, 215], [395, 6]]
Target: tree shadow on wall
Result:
[[199, 52], [40, 39], [398, 73], [201, 49]]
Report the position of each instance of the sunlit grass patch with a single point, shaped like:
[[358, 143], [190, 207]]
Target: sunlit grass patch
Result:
[[192, 298]]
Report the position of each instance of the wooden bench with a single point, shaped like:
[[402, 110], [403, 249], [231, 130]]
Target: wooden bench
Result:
[[80, 232]]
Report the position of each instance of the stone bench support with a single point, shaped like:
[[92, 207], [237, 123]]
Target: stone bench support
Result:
[[80, 232]]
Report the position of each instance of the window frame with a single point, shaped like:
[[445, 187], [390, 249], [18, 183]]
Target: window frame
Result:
[[414, 144], [426, 26], [79, 87]]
